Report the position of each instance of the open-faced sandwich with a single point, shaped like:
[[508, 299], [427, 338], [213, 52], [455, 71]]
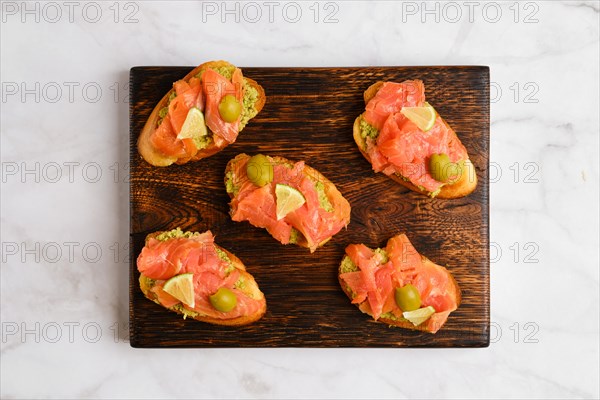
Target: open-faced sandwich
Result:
[[188, 273], [398, 286], [403, 136], [294, 202], [203, 113]]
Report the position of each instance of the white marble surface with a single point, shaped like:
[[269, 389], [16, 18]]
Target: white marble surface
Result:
[[545, 337]]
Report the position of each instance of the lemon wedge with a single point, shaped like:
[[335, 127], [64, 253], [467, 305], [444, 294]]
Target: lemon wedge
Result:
[[423, 117], [417, 317], [182, 288], [193, 126], [288, 200]]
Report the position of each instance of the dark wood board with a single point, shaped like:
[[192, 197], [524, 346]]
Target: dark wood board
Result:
[[308, 116]]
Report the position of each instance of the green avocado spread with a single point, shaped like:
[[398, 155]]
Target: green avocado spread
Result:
[[240, 284], [383, 254], [186, 313], [226, 71], [390, 315], [348, 265], [230, 186], [224, 257], [202, 142], [433, 194], [430, 194], [175, 234], [368, 130], [323, 200], [162, 113], [294, 236], [147, 281], [249, 102]]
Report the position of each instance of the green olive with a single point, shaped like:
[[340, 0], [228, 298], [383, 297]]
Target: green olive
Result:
[[224, 300], [230, 108], [408, 298], [442, 169], [259, 170]]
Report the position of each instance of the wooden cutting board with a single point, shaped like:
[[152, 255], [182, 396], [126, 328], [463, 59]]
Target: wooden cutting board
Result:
[[308, 116]]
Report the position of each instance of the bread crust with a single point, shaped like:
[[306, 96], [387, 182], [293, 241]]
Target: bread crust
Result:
[[405, 323], [333, 194], [156, 158], [464, 186], [251, 288]]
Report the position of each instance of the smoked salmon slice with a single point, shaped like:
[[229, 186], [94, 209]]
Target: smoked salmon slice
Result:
[[370, 277], [169, 254], [391, 98], [210, 89], [215, 88], [163, 141], [324, 213], [399, 148]]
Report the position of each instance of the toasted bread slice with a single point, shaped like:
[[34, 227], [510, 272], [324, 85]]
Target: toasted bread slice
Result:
[[250, 289], [465, 185], [158, 159], [433, 324], [333, 194]]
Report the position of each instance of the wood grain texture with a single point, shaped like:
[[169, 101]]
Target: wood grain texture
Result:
[[308, 116]]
